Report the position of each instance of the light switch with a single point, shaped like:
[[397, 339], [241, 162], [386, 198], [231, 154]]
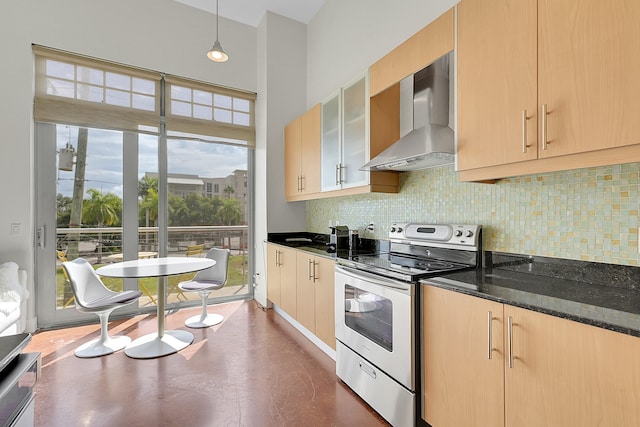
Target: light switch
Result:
[[16, 229]]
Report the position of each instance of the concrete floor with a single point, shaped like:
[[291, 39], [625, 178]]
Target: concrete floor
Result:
[[253, 369]]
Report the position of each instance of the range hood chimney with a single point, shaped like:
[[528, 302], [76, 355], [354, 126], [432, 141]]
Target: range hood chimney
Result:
[[426, 138]]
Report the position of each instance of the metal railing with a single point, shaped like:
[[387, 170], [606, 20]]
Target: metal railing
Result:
[[98, 245], [89, 242]]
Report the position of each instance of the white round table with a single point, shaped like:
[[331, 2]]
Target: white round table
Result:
[[163, 342]]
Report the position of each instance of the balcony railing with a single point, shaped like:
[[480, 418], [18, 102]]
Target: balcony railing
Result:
[[102, 245]]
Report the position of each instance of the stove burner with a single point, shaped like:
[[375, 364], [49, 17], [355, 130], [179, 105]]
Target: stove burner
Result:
[[419, 264], [415, 252], [405, 267]]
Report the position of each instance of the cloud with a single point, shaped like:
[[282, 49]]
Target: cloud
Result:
[[104, 162]]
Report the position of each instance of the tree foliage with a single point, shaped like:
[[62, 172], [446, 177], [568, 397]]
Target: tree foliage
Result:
[[63, 209], [105, 209], [193, 210], [229, 213], [101, 209], [145, 184]]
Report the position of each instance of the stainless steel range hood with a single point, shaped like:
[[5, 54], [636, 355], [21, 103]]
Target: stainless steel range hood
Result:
[[426, 138]]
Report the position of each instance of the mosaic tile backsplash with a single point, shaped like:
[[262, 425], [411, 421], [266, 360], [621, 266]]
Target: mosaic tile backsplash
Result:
[[585, 214]]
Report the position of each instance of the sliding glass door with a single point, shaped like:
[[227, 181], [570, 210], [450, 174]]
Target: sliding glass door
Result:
[[98, 199], [134, 164]]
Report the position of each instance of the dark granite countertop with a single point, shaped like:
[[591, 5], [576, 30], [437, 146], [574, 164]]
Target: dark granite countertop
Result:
[[603, 295], [317, 244], [598, 294]]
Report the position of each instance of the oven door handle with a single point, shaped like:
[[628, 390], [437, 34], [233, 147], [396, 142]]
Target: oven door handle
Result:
[[372, 278]]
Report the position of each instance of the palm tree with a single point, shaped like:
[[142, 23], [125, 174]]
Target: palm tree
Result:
[[229, 213], [228, 190], [145, 184], [101, 209], [149, 204]]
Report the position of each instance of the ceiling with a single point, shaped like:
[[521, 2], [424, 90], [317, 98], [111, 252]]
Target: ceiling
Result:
[[250, 12]]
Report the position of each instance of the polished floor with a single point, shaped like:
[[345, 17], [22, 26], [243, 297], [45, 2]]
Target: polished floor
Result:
[[254, 369]]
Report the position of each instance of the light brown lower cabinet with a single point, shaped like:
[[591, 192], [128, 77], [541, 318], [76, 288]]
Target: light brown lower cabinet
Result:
[[281, 277], [302, 285], [489, 364], [315, 296]]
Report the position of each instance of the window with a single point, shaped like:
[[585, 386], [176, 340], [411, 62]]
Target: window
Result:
[[96, 85], [108, 114], [205, 105]]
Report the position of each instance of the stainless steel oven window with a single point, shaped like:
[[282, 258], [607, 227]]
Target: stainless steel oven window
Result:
[[370, 315]]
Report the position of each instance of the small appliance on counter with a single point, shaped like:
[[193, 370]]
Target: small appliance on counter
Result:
[[338, 239]]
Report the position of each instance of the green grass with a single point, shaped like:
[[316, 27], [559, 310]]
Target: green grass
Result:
[[237, 276]]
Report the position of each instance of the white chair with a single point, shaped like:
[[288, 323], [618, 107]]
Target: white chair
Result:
[[92, 296], [204, 282]]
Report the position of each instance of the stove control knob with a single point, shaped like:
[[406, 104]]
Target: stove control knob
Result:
[[393, 229], [469, 233], [458, 233], [399, 229]]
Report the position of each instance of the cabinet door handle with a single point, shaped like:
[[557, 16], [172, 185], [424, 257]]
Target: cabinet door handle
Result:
[[301, 182], [309, 274], [278, 258], [338, 174], [510, 340], [315, 277], [489, 349], [544, 126], [341, 175], [524, 131]]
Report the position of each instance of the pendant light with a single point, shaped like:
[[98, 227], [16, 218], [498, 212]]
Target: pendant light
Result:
[[216, 53]]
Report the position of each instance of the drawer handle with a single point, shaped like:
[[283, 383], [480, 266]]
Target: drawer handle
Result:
[[367, 370]]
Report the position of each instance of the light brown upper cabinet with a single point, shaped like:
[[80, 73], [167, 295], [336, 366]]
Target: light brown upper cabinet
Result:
[[302, 155], [414, 54], [546, 85]]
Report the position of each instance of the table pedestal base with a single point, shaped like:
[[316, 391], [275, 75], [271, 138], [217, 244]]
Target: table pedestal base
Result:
[[151, 345]]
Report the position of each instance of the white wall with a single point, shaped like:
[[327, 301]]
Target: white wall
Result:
[[346, 37], [296, 66], [161, 35], [281, 85]]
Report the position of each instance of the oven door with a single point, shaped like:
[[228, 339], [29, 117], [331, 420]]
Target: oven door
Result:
[[375, 318]]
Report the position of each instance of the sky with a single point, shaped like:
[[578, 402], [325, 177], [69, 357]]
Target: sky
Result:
[[104, 159]]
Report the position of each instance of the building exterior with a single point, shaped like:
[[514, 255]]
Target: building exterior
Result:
[[233, 186]]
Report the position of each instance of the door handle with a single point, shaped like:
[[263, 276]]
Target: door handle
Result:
[[40, 237], [510, 341], [524, 131], [544, 126], [489, 347]]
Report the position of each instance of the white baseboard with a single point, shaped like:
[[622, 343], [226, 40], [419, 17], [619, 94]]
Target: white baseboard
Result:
[[307, 333]]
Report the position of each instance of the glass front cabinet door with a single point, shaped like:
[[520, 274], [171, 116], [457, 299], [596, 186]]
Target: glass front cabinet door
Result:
[[345, 136]]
